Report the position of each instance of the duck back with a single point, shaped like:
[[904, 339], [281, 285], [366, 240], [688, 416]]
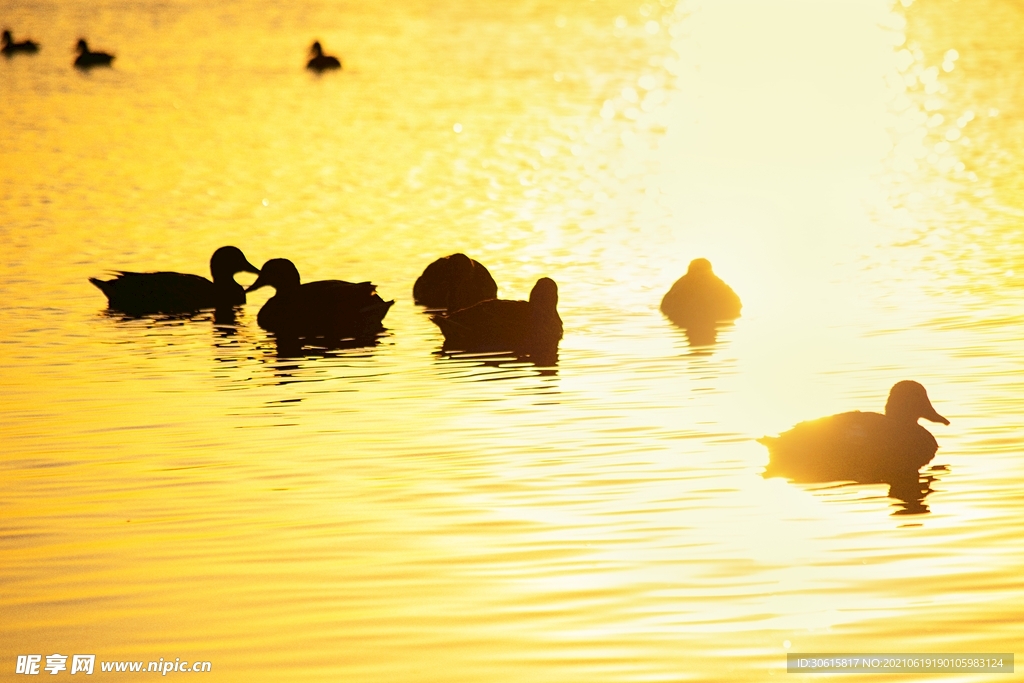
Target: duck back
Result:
[[855, 446], [700, 300], [454, 282], [327, 308], [167, 292]]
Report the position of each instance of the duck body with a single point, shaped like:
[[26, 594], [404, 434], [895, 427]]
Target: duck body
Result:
[[859, 446], [700, 298], [10, 48], [332, 309], [454, 282], [169, 292], [87, 58], [505, 325], [320, 61]]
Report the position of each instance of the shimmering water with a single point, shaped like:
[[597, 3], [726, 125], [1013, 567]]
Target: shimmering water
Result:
[[176, 488]]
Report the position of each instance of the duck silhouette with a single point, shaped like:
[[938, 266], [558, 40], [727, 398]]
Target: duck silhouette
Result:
[[454, 282], [9, 48], [87, 58], [858, 446], [502, 325], [333, 309], [320, 61], [167, 292], [700, 298]]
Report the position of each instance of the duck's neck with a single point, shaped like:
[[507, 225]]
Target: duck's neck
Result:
[[903, 417]]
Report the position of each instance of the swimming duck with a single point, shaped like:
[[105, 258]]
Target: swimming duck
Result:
[[503, 325], [166, 292], [328, 308], [454, 282], [9, 47], [87, 58], [320, 61], [700, 298], [861, 447]]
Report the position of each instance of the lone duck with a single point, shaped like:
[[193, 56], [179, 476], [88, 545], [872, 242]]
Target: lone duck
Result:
[[166, 292], [504, 325], [328, 308], [320, 61], [700, 298], [861, 447], [454, 282], [87, 58], [9, 47]]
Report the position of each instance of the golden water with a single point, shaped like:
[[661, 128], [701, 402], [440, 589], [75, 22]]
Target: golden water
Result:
[[173, 488]]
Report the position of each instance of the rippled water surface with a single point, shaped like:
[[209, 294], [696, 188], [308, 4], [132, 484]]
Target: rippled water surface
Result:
[[179, 488]]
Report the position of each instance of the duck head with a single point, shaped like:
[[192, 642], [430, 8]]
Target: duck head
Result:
[[227, 261], [699, 266], [82, 47], [908, 401], [279, 273], [545, 294], [7, 38], [316, 50]]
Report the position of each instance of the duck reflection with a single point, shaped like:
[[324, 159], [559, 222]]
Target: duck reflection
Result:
[[864, 447]]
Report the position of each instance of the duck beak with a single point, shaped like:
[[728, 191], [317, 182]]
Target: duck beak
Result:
[[931, 415], [250, 268], [260, 282]]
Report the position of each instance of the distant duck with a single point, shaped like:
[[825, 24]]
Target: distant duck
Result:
[[10, 48], [860, 447], [320, 61], [700, 298], [87, 58], [334, 309], [503, 325], [166, 292], [454, 282]]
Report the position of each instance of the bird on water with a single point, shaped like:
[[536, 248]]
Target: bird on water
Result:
[[168, 292], [859, 446], [333, 309], [87, 58], [454, 282], [320, 61], [9, 47], [505, 325], [700, 298]]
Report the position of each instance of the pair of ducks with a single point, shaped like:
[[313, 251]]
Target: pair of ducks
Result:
[[86, 57], [333, 309], [854, 446]]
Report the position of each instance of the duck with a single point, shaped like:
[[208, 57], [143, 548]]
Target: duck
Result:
[[9, 47], [320, 61], [859, 446], [87, 58], [334, 309], [454, 282], [505, 325], [168, 292], [700, 298]]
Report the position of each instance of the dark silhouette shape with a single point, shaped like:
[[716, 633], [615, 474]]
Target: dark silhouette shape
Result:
[[88, 59], [320, 61], [700, 298], [454, 282], [165, 292], [332, 309], [861, 447], [11, 48], [531, 327]]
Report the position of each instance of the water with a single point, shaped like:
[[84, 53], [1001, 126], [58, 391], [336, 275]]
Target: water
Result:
[[179, 489]]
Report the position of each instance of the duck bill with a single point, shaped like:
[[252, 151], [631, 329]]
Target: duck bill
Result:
[[932, 416], [260, 282], [250, 268]]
